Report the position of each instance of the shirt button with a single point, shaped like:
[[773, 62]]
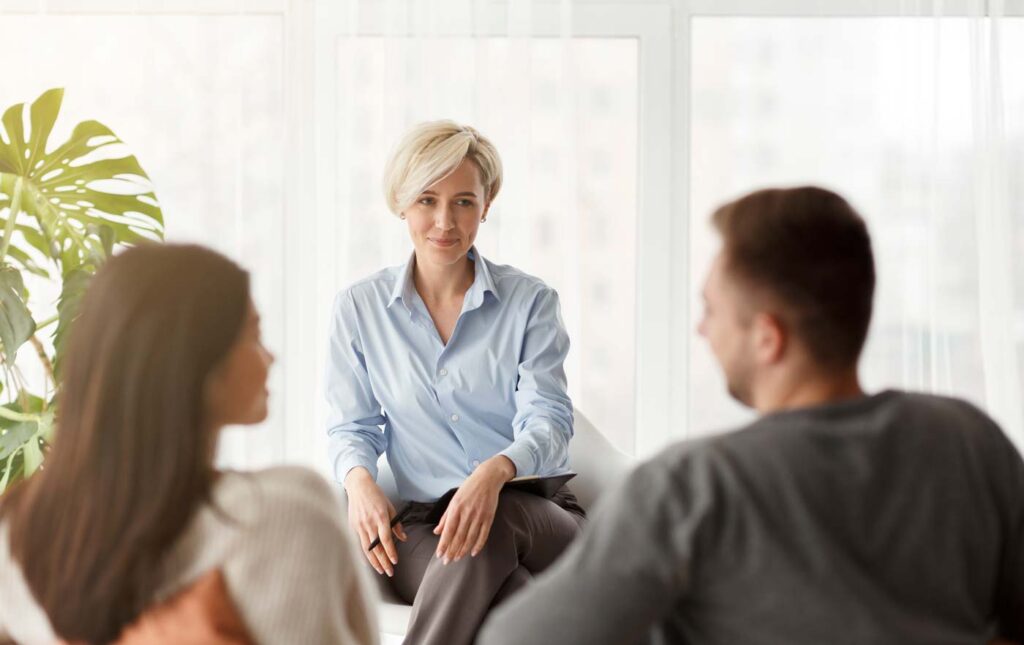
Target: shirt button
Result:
[[475, 463], [455, 417], [442, 372]]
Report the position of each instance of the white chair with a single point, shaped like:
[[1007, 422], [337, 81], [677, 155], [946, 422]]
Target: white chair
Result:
[[598, 466]]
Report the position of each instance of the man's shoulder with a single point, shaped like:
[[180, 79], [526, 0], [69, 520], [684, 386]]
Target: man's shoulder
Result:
[[954, 410], [888, 409], [889, 423], [685, 462], [901, 411]]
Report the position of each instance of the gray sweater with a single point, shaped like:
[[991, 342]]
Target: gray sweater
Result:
[[896, 518]]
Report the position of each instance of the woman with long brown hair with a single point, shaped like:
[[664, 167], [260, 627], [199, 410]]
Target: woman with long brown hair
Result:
[[129, 509]]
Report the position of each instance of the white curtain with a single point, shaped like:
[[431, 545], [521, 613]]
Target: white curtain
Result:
[[562, 111], [198, 97], [265, 125], [916, 118]]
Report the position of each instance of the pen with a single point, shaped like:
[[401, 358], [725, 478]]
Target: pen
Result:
[[401, 515]]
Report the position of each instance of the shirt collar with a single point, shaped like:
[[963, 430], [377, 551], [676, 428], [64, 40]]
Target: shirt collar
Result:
[[483, 283]]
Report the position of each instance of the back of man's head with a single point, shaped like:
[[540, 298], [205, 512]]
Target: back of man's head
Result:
[[808, 251]]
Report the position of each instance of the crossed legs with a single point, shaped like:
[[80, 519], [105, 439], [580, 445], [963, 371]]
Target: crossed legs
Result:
[[451, 601]]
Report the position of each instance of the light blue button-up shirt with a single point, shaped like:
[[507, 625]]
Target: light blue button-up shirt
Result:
[[497, 387]]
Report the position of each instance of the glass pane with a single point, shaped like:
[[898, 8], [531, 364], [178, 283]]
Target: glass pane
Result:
[[563, 114], [885, 111], [199, 101]]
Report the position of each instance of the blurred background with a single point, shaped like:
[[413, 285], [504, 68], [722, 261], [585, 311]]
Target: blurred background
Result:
[[264, 126]]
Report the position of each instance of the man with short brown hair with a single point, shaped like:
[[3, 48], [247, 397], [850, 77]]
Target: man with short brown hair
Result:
[[837, 517]]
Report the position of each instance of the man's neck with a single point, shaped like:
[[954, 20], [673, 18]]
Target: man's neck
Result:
[[808, 390]]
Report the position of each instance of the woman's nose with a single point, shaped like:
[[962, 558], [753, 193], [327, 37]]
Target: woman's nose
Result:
[[444, 219]]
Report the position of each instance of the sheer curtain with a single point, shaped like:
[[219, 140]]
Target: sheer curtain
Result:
[[917, 118], [562, 111], [265, 124], [197, 92]]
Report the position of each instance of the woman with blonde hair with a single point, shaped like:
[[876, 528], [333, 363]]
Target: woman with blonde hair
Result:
[[129, 527], [453, 366]]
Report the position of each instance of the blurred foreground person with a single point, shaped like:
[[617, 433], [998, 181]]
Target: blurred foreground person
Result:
[[837, 517], [129, 533]]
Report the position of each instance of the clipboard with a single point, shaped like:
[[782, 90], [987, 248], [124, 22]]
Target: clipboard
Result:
[[545, 487]]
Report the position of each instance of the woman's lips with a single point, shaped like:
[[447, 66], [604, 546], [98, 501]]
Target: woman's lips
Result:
[[443, 243]]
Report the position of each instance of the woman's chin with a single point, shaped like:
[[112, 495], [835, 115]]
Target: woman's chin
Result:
[[259, 414], [445, 255]]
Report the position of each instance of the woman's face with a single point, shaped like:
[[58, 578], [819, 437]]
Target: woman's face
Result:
[[236, 390], [444, 219]]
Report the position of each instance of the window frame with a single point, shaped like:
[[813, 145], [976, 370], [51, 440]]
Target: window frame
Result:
[[650, 25], [663, 31]]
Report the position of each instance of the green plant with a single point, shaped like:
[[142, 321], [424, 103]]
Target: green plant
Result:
[[62, 213]]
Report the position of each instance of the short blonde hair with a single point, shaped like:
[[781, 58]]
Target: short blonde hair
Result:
[[430, 152]]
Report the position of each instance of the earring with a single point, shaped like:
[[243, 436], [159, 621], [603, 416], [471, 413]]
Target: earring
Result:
[[483, 219], [401, 215]]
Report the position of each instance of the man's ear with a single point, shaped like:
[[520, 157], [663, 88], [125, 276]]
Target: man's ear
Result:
[[770, 338]]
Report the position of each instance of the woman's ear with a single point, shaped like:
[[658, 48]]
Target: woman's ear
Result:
[[487, 208]]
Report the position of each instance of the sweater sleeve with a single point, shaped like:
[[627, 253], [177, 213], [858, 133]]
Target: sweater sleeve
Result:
[[294, 576], [1007, 472], [620, 578]]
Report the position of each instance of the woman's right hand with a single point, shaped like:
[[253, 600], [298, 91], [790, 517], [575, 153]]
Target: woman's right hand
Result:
[[369, 515]]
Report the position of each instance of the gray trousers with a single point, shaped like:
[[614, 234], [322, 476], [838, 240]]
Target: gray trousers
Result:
[[450, 602]]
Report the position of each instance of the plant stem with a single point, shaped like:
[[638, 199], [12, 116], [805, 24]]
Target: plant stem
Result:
[[43, 358], [19, 380], [15, 210], [17, 416], [46, 323]]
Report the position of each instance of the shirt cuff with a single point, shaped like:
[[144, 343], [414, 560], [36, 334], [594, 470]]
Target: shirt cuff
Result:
[[522, 457], [343, 464]]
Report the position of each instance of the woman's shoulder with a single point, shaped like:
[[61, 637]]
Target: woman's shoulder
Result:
[[281, 488], [515, 282], [376, 286], [250, 513]]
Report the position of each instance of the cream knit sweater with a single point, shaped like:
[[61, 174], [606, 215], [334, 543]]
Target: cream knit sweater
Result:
[[288, 560]]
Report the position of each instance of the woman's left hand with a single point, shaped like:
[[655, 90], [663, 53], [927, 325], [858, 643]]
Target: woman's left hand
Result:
[[466, 522]]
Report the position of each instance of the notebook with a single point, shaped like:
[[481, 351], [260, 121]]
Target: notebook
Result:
[[543, 486]]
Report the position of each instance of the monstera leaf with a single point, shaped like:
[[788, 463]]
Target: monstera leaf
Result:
[[83, 199], [64, 207], [16, 324], [22, 437]]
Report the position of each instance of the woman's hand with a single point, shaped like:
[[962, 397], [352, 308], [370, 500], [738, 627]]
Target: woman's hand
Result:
[[369, 515], [466, 522]]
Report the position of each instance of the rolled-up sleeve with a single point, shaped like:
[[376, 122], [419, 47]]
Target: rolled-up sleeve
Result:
[[542, 425], [354, 416]]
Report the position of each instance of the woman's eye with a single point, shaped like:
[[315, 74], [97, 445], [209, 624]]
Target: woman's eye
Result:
[[464, 202], [427, 201]]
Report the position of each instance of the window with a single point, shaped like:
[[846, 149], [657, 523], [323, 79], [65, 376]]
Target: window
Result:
[[887, 113], [566, 109], [563, 115], [199, 100]]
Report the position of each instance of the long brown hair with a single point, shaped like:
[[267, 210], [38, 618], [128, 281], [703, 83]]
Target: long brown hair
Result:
[[132, 459]]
